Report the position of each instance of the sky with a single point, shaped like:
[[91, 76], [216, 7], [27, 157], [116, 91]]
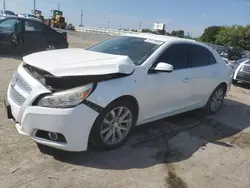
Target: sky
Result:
[[193, 16]]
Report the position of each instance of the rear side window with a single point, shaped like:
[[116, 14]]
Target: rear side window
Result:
[[33, 26], [200, 56], [176, 55]]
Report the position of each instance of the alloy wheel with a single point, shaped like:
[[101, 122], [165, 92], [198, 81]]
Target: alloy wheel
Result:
[[217, 100], [50, 47], [116, 125]]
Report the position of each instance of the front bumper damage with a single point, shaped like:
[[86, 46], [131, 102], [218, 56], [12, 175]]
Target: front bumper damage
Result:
[[73, 125]]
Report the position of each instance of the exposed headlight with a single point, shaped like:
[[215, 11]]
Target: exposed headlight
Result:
[[66, 99]]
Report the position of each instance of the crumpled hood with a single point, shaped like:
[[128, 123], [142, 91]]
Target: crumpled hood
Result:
[[76, 62]]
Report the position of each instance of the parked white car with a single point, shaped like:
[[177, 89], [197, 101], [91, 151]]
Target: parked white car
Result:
[[30, 16], [66, 98], [6, 13]]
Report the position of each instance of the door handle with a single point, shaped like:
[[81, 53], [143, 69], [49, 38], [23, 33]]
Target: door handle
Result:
[[187, 80]]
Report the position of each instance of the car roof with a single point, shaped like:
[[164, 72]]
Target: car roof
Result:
[[167, 39], [22, 18], [7, 11], [162, 38]]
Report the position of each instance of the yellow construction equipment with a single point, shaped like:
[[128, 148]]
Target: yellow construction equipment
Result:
[[57, 19]]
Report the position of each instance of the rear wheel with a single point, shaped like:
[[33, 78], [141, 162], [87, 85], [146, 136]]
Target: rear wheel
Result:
[[215, 101], [50, 47], [114, 125]]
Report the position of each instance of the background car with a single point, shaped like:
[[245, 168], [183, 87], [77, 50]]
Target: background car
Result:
[[232, 53], [6, 13], [27, 36], [31, 16], [241, 70]]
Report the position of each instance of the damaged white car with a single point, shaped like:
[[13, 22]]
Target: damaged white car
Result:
[[67, 98]]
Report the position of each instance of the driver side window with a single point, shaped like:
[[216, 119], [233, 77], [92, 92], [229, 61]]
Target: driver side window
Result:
[[176, 55], [8, 24]]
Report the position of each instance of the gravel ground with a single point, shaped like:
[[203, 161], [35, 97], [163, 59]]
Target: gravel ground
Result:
[[188, 150]]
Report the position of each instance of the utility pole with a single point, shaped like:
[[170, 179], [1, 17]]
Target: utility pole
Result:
[[108, 24], [34, 6], [3, 4], [81, 16], [58, 7], [140, 26]]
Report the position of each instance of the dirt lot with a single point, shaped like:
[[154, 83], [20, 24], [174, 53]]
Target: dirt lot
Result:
[[188, 150]]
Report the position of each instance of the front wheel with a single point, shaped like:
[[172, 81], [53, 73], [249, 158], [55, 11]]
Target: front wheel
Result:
[[215, 101], [114, 125]]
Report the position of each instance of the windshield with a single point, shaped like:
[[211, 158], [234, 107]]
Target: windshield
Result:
[[137, 49]]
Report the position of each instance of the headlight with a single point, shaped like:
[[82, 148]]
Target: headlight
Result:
[[66, 99]]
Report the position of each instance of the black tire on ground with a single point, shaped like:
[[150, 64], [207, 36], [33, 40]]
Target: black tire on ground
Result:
[[95, 136], [51, 46], [234, 82], [208, 109]]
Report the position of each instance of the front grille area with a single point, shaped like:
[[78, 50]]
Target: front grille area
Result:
[[17, 85], [246, 68], [16, 96], [18, 80]]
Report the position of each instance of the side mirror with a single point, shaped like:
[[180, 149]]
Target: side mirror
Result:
[[162, 67]]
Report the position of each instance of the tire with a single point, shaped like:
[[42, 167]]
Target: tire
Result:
[[215, 100], [234, 82], [50, 47], [111, 127]]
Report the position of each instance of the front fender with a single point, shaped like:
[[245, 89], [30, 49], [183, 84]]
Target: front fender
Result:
[[108, 91]]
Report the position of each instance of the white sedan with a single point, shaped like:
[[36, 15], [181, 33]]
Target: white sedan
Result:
[[30, 16], [66, 98]]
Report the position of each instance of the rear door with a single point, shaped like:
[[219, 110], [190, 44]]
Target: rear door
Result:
[[205, 73], [33, 37]]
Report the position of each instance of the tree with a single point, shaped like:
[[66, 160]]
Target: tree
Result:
[[210, 33], [235, 36], [134, 30], [146, 31], [178, 33]]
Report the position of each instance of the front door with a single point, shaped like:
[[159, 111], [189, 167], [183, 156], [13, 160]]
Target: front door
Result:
[[7, 28], [169, 92]]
